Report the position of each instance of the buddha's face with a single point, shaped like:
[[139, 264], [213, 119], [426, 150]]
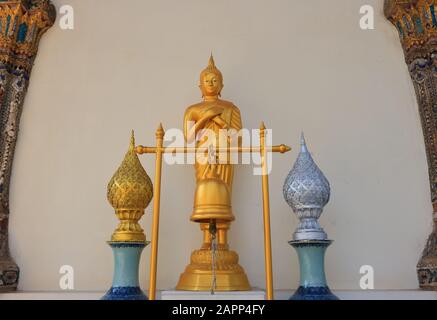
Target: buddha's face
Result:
[[211, 85]]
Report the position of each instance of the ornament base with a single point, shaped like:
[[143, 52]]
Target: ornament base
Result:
[[313, 293], [427, 266], [313, 284], [125, 293], [125, 283]]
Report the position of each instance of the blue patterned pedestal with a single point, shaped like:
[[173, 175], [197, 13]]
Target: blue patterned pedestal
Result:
[[313, 284], [125, 284]]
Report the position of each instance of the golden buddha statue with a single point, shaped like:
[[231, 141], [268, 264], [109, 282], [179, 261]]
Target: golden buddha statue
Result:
[[208, 268]]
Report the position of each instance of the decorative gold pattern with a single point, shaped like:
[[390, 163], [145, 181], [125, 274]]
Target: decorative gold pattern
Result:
[[416, 21], [130, 192], [22, 23]]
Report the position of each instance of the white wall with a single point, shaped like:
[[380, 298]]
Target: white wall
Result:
[[297, 65]]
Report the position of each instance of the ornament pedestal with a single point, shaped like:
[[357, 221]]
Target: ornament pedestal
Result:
[[427, 266], [9, 274], [125, 284], [313, 284]]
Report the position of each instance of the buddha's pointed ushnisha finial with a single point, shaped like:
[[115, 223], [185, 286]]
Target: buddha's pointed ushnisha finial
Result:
[[211, 68], [211, 62], [303, 144], [211, 65]]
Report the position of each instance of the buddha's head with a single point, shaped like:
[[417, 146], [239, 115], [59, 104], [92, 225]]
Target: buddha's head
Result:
[[211, 80]]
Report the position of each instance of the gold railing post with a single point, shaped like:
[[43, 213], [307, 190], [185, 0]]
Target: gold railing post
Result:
[[266, 215], [156, 207]]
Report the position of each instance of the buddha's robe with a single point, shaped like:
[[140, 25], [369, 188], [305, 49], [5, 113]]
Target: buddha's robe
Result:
[[214, 116]]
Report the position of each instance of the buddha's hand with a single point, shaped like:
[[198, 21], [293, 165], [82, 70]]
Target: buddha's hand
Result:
[[207, 115], [222, 123]]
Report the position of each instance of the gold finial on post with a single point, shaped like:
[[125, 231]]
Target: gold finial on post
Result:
[[284, 148], [132, 141], [160, 132], [262, 127]]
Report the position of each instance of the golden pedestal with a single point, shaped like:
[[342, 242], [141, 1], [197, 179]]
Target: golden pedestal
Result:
[[199, 276]]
